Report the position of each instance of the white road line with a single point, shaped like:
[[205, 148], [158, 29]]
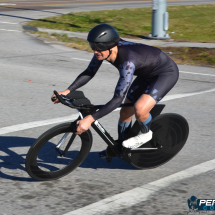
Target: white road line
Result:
[[29, 125], [6, 4], [182, 95], [142, 193], [9, 30], [9, 23], [24, 126], [87, 60], [194, 73], [136, 195]]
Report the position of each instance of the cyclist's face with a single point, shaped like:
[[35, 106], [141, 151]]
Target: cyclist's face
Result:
[[101, 55]]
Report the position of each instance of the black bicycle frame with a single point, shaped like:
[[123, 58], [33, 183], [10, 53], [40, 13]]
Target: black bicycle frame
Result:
[[89, 109], [156, 110]]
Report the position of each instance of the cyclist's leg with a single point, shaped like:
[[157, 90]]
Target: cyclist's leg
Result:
[[142, 114], [143, 103], [125, 120], [126, 113], [157, 88], [142, 109]]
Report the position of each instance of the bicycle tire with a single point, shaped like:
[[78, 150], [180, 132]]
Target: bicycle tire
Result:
[[44, 163], [172, 131]]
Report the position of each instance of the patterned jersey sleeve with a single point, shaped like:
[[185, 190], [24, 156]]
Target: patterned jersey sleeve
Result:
[[126, 71], [85, 76]]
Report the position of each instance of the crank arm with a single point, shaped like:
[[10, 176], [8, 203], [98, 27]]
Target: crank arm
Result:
[[137, 150], [157, 143]]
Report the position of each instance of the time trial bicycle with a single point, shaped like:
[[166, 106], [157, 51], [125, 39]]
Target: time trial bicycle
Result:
[[58, 151]]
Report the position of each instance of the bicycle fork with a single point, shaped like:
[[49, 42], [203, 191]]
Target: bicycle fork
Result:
[[62, 154]]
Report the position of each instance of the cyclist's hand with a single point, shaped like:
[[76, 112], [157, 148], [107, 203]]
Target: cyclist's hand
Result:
[[84, 124], [64, 93]]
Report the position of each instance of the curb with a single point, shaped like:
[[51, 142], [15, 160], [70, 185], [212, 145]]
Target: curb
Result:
[[143, 41], [51, 31]]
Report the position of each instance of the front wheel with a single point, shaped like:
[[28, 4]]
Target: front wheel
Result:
[[57, 152]]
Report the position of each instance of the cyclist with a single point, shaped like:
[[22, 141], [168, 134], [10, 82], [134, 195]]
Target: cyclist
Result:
[[156, 75]]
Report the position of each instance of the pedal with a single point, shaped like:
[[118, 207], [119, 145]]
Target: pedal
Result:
[[108, 159], [158, 143], [103, 154], [110, 153], [124, 151]]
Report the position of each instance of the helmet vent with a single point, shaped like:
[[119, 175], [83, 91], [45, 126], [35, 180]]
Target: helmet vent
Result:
[[102, 34]]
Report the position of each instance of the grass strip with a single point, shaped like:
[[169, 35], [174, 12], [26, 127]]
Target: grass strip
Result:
[[194, 23], [181, 55]]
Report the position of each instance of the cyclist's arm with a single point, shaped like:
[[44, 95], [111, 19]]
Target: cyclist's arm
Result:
[[126, 74], [85, 76]]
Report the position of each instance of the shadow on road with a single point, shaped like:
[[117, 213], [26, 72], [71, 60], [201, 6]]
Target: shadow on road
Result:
[[30, 9], [21, 17], [12, 157], [14, 149], [95, 162]]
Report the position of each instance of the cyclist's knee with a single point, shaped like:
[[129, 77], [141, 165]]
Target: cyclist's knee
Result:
[[126, 114], [141, 117], [141, 112], [143, 106]]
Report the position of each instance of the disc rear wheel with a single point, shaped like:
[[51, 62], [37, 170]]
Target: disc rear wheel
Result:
[[170, 133]]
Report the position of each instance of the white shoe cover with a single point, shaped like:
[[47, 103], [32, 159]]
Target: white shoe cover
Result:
[[138, 140]]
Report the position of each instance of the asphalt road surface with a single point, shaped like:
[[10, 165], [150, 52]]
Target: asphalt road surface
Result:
[[31, 69], [85, 5]]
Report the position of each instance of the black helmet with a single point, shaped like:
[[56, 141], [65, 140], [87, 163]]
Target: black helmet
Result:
[[103, 37]]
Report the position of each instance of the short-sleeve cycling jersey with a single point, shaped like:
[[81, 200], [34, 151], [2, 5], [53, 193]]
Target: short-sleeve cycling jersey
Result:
[[132, 59]]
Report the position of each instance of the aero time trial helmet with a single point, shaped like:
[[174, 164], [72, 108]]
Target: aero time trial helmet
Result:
[[103, 37]]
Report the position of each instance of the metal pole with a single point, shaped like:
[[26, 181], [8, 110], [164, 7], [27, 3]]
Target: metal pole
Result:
[[160, 19]]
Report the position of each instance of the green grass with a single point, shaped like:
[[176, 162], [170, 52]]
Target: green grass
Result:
[[189, 23], [183, 55], [192, 56]]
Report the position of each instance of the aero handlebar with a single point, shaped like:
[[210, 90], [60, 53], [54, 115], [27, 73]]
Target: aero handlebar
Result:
[[69, 102]]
